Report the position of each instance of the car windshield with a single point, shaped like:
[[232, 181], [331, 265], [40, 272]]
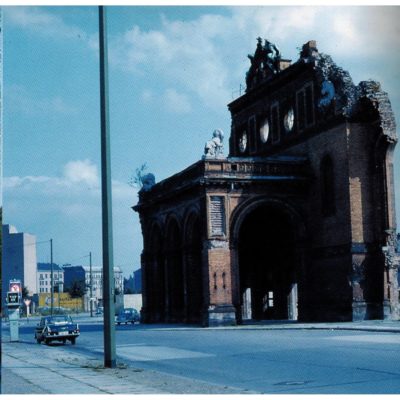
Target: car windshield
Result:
[[59, 319]]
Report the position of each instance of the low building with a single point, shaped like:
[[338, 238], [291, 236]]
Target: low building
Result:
[[92, 276], [18, 259], [43, 278]]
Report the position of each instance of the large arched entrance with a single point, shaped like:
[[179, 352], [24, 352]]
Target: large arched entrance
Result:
[[267, 265], [157, 289]]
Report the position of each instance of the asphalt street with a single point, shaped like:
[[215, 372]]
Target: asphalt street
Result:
[[274, 361]]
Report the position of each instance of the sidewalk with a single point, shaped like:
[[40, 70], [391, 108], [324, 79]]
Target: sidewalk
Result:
[[31, 369]]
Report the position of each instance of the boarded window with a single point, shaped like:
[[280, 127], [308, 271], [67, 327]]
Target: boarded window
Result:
[[217, 215]]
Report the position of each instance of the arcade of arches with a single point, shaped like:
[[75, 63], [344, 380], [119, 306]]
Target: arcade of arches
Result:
[[173, 278]]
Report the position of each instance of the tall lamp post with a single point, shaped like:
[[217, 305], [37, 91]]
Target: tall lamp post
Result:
[[51, 278], [108, 273]]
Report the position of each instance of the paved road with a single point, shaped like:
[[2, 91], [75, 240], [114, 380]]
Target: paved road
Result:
[[256, 360]]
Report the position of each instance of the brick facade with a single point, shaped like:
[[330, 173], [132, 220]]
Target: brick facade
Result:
[[296, 223]]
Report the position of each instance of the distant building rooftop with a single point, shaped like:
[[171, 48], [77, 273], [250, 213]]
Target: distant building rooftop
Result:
[[47, 267]]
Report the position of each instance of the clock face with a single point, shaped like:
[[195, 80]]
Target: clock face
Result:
[[243, 142], [288, 120], [264, 131]]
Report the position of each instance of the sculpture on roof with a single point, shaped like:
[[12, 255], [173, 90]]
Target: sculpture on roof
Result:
[[147, 181], [264, 63], [214, 148]]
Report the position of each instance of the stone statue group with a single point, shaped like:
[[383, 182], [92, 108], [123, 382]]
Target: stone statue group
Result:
[[214, 148]]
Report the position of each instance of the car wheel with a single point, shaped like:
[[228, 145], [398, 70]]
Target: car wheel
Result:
[[64, 341], [38, 341], [47, 341]]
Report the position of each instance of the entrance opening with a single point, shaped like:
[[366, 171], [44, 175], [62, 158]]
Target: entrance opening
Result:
[[175, 274], [157, 289], [194, 277], [267, 273]]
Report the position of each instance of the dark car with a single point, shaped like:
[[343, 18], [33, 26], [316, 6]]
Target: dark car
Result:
[[56, 328], [127, 315]]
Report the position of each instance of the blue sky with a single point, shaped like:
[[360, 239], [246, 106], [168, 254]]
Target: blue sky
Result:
[[172, 71]]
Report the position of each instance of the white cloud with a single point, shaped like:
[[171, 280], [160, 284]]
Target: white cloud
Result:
[[206, 57], [81, 171], [181, 52], [79, 183], [39, 21], [177, 102]]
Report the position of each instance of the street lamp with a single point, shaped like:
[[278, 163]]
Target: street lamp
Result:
[[108, 290]]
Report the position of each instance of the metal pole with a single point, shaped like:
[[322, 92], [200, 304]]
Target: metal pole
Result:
[[91, 285], [51, 278], [108, 273]]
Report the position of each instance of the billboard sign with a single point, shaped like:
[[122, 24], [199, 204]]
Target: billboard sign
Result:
[[15, 286], [13, 298]]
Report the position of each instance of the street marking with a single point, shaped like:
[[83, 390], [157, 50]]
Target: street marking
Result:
[[384, 339]]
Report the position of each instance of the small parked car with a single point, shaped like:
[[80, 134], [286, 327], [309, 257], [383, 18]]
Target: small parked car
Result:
[[127, 315], [56, 328]]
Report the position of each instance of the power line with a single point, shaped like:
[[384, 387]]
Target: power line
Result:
[[24, 245]]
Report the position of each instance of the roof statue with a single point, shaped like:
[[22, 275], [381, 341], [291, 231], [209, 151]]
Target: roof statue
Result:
[[264, 63], [214, 148], [147, 181]]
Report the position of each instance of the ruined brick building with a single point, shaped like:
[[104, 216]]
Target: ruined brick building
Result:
[[297, 222]]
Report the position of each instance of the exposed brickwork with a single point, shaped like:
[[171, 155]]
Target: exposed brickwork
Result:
[[295, 225]]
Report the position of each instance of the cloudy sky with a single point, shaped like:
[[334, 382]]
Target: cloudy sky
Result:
[[172, 72]]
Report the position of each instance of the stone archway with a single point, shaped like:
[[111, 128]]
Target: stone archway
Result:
[[268, 262], [156, 291], [193, 269], [174, 272]]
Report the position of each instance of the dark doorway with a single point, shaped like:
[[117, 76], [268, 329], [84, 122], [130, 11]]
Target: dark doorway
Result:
[[268, 282], [157, 289], [175, 274], [194, 276]]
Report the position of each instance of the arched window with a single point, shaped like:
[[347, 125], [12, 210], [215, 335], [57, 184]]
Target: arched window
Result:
[[327, 177]]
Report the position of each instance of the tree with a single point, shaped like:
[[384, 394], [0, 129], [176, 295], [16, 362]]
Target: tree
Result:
[[25, 292], [136, 178]]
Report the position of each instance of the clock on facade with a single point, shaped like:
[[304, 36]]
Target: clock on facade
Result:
[[243, 142], [264, 131], [288, 120]]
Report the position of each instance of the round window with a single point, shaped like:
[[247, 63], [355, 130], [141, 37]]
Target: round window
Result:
[[264, 131], [288, 120], [243, 142]]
